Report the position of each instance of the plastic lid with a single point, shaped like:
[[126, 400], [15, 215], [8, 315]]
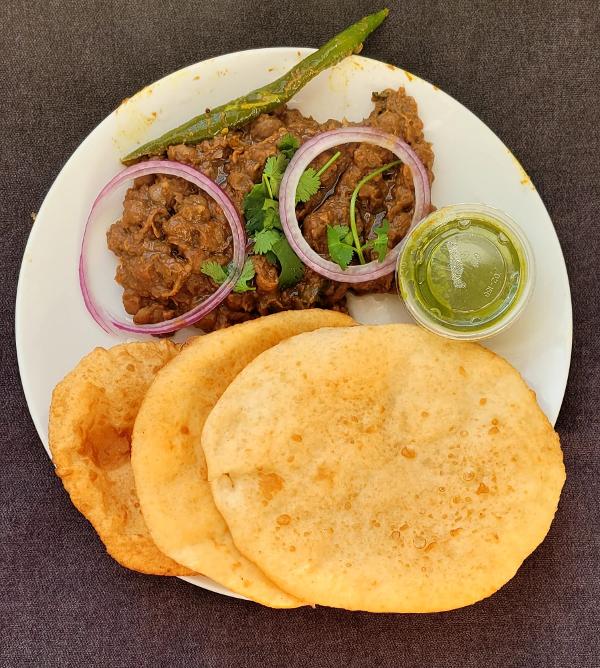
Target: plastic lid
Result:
[[465, 271]]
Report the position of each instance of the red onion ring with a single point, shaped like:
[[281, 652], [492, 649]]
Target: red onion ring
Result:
[[287, 199], [109, 322]]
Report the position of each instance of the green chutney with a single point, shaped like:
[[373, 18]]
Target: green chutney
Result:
[[464, 271]]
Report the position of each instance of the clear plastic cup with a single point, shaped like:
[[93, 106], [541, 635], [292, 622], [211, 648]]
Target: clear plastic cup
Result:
[[466, 271]]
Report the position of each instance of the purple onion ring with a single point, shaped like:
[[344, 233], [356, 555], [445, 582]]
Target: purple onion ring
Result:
[[287, 199], [109, 322]]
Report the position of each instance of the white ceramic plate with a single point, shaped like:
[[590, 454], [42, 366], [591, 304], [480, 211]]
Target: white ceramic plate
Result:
[[54, 330]]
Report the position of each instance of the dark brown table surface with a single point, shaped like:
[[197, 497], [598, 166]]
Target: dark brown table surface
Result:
[[531, 71]]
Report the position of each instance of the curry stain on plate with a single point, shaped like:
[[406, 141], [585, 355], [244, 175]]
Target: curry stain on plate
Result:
[[524, 178], [395, 68], [339, 76], [132, 126], [146, 90], [337, 79]]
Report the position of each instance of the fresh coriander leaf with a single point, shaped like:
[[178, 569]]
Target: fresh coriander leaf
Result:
[[256, 196], [271, 220], [288, 145], [339, 250], [264, 240], [273, 172], [214, 270], [271, 169], [380, 243], [291, 267], [342, 231], [276, 183], [246, 276], [253, 208], [219, 274], [271, 215], [271, 204], [308, 185], [275, 166]]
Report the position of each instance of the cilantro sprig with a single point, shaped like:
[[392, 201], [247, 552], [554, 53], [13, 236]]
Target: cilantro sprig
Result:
[[273, 173], [343, 241], [340, 243], [308, 185], [265, 239], [214, 270], [292, 269], [218, 273], [261, 209], [310, 181], [359, 185], [288, 145], [379, 244]]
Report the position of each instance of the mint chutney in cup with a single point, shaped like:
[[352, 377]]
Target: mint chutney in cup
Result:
[[466, 271]]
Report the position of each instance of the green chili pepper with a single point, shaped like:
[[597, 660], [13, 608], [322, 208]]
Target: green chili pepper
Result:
[[248, 107]]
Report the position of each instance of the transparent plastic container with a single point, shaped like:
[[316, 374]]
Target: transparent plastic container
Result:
[[466, 271]]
